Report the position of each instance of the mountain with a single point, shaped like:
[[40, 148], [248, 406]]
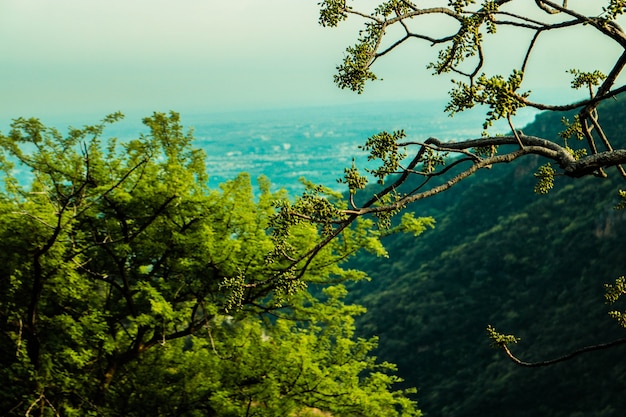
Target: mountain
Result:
[[530, 265]]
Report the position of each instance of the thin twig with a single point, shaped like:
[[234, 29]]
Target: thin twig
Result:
[[563, 358]]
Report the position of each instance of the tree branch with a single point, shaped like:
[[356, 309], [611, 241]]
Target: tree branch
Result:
[[563, 358]]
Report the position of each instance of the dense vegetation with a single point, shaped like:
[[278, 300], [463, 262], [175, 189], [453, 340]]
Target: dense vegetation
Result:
[[528, 264], [129, 288]]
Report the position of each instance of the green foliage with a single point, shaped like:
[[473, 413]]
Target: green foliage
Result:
[[332, 12], [354, 72], [499, 94], [468, 40], [250, 366], [586, 79], [572, 129], [498, 339], [432, 159], [545, 179], [464, 45], [384, 146], [614, 293], [384, 218], [577, 153], [353, 179], [614, 9], [387, 8], [130, 288], [416, 226], [459, 5], [485, 151]]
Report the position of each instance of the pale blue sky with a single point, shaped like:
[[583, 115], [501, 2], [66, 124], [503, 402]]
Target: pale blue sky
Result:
[[99, 56], [93, 57]]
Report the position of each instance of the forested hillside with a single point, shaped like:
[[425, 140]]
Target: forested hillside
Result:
[[532, 265]]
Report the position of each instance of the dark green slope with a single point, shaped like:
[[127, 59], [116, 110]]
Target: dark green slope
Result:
[[529, 265]]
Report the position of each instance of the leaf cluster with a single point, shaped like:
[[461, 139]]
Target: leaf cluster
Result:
[[586, 79], [353, 73], [332, 12], [613, 292], [499, 94], [384, 146], [545, 179], [498, 339], [614, 9]]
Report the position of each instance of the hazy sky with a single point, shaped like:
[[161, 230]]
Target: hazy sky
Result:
[[94, 56], [99, 56]]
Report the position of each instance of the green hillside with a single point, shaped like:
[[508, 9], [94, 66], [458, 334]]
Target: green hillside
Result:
[[530, 265]]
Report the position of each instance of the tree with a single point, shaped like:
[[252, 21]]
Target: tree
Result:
[[582, 148], [127, 287], [463, 54]]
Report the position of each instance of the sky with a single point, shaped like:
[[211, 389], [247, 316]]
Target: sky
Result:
[[89, 57], [100, 56]]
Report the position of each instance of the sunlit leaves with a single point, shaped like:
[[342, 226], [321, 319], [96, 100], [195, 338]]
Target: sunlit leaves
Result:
[[391, 7], [586, 79], [332, 12], [353, 179], [416, 226], [467, 41], [459, 5], [576, 153], [545, 179], [498, 339], [317, 206], [118, 248], [614, 9], [613, 292], [489, 8], [485, 151], [383, 146], [235, 288], [572, 129], [354, 72], [465, 44], [271, 368], [496, 92], [432, 159]]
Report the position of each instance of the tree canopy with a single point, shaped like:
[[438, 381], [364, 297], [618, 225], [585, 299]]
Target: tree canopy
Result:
[[128, 287]]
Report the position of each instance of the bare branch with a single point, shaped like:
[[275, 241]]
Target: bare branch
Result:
[[563, 358]]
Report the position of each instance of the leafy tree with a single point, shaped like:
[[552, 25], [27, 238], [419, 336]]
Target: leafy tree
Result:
[[128, 287], [582, 149], [464, 54], [530, 265]]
